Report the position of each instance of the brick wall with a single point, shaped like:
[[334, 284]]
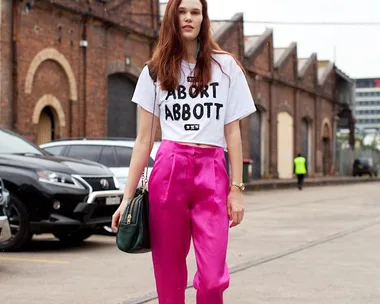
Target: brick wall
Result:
[[310, 77], [232, 40], [139, 15], [262, 62], [288, 70], [40, 30], [6, 64], [48, 27]]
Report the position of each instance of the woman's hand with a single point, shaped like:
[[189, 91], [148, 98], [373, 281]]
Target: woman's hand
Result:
[[116, 217], [235, 206]]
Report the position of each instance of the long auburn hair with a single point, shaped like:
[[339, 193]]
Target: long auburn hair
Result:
[[170, 50]]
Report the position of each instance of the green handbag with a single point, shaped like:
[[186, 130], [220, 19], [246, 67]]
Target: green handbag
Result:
[[133, 234]]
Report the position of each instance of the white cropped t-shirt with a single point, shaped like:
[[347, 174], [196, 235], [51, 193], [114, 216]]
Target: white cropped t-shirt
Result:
[[198, 118]]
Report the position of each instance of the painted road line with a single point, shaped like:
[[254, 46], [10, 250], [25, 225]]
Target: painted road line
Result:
[[2, 258]]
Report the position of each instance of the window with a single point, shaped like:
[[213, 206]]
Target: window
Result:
[[85, 152], [124, 155], [108, 157], [56, 150], [11, 143]]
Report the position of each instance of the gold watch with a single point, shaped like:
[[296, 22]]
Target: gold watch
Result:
[[240, 185]]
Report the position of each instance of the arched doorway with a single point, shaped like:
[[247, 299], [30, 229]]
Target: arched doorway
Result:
[[285, 145], [121, 111], [306, 138], [46, 126], [257, 143]]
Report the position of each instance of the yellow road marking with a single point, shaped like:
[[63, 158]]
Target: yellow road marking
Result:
[[33, 260]]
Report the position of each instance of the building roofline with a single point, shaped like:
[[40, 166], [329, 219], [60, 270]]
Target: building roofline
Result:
[[307, 65], [365, 78], [326, 73], [279, 63], [221, 32], [252, 51], [344, 75]]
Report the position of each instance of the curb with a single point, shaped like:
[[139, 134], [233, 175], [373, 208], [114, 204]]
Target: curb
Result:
[[287, 184]]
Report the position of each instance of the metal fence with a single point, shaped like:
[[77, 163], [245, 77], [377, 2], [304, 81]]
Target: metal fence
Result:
[[346, 156]]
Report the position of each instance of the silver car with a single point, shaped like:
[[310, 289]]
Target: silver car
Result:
[[113, 153], [5, 231]]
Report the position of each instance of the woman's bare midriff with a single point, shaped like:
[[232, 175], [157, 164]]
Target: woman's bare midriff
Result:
[[196, 145]]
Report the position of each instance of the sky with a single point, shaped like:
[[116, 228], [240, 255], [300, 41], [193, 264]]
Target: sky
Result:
[[355, 49]]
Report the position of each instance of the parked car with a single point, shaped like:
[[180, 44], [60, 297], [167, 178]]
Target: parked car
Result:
[[5, 231], [364, 166], [115, 153], [67, 197]]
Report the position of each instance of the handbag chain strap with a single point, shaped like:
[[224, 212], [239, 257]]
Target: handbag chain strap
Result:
[[144, 180]]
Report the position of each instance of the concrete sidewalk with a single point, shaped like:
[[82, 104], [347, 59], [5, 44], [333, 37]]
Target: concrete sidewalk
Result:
[[270, 184], [316, 246]]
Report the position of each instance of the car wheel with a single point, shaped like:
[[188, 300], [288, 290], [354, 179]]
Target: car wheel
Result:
[[74, 237], [19, 223]]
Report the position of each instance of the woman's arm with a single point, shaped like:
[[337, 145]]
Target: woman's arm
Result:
[[235, 154], [141, 151], [140, 154]]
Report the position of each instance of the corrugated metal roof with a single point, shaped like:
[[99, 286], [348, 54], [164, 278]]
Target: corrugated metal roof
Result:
[[250, 42], [324, 67], [216, 26], [301, 63], [321, 72], [278, 52]]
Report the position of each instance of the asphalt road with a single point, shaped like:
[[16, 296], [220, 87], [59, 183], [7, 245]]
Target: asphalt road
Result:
[[319, 245]]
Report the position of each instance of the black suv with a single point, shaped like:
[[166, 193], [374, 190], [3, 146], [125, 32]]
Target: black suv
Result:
[[364, 166], [67, 197], [5, 233]]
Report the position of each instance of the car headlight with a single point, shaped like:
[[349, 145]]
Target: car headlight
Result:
[[59, 179], [116, 182]]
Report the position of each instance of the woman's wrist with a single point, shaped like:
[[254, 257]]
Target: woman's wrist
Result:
[[125, 201]]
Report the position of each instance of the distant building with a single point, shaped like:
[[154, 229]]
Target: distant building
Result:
[[367, 103]]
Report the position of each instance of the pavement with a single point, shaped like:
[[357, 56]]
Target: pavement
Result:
[[312, 246]]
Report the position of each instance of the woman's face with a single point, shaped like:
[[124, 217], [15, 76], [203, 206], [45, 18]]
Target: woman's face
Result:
[[190, 18]]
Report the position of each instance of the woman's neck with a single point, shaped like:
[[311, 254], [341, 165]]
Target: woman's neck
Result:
[[191, 51]]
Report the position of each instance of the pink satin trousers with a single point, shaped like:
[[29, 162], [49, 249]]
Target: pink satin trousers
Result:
[[188, 191]]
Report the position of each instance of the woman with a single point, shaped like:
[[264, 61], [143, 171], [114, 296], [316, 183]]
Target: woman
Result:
[[200, 95]]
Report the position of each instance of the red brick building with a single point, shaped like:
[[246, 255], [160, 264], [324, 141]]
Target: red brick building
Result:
[[300, 102], [69, 68]]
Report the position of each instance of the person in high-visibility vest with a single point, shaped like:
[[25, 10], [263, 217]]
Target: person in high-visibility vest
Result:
[[300, 169]]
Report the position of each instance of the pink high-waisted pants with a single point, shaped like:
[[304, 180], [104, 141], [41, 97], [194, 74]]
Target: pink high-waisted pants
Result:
[[188, 191]]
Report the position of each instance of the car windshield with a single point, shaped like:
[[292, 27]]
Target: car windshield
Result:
[[366, 162], [14, 144]]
